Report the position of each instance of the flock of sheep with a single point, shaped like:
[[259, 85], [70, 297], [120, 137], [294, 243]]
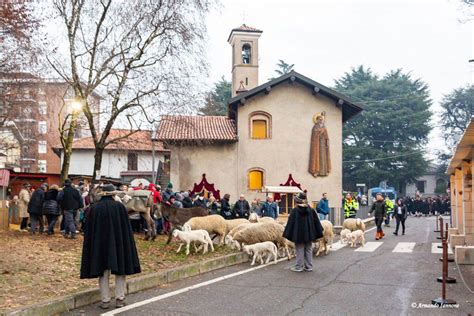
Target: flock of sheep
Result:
[[259, 237]]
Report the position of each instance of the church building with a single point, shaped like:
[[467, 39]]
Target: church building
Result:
[[279, 137]]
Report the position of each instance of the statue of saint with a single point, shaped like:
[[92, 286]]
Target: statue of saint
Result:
[[319, 161]]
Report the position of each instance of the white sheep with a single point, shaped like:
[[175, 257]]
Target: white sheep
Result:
[[260, 249], [353, 224], [232, 223], [344, 233], [356, 237], [261, 232], [328, 237], [229, 240], [253, 218], [213, 224], [200, 236]]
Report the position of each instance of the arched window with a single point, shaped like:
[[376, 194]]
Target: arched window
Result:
[[246, 54], [260, 125], [255, 179]]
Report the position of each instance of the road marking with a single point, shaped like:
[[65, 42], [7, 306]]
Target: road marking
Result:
[[337, 245], [370, 246], [186, 289], [435, 249], [405, 247]]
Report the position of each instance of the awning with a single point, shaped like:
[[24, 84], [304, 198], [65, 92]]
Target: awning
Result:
[[281, 189], [4, 177]]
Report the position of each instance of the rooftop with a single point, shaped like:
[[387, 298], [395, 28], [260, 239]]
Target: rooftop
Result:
[[196, 129], [139, 141]]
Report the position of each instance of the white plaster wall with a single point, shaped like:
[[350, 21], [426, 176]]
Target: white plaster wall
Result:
[[218, 162], [113, 162], [429, 187]]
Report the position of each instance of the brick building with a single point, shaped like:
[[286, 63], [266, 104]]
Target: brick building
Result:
[[37, 106]]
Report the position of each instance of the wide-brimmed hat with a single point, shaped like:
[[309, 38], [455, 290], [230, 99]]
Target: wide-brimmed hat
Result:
[[107, 190], [300, 198]]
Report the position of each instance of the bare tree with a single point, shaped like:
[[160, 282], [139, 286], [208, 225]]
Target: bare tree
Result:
[[17, 25], [144, 57]]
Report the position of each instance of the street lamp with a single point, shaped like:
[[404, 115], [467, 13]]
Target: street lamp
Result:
[[153, 140], [76, 105]]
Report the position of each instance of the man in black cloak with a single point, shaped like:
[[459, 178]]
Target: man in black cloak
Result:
[[109, 246], [303, 227]]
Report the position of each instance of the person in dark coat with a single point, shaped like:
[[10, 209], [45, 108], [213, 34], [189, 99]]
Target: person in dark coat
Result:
[[303, 227], [226, 211], [109, 246], [71, 201], [242, 208], [35, 208], [400, 213], [212, 206], [51, 207], [200, 201], [380, 213], [187, 202]]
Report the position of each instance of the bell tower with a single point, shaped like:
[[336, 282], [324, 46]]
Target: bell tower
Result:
[[244, 42]]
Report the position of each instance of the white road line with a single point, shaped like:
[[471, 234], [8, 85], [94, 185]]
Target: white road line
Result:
[[337, 245], [404, 247], [370, 246], [435, 249], [186, 289]]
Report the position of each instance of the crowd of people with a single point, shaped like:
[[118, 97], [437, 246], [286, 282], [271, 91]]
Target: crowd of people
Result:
[[40, 208]]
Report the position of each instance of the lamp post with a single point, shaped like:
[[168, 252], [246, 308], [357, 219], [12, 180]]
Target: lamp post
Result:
[[153, 140]]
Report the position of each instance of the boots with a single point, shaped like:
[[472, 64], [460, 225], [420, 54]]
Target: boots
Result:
[[377, 236], [381, 234]]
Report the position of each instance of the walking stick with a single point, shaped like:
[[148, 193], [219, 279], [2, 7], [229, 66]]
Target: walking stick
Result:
[[447, 279], [441, 301]]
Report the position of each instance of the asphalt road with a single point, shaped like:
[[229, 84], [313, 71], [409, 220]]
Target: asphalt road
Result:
[[378, 282]]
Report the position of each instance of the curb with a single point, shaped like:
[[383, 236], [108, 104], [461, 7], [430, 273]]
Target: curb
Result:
[[67, 303]]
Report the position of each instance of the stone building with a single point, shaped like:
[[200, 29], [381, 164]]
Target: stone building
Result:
[[34, 105], [278, 136]]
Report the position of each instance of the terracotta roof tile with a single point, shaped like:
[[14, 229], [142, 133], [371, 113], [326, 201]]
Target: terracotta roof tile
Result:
[[196, 129], [140, 140]]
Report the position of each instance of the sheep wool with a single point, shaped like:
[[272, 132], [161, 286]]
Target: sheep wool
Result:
[[213, 224], [328, 237], [353, 224], [261, 232]]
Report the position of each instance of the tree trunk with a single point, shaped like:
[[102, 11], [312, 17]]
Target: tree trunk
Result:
[[99, 150], [68, 148]]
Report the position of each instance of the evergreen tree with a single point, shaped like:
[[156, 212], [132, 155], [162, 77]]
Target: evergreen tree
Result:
[[456, 113], [216, 100], [283, 68], [385, 141]]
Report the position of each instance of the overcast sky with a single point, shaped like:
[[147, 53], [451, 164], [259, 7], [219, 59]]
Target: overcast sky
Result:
[[432, 39]]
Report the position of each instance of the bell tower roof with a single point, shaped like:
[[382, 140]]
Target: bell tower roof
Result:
[[244, 28]]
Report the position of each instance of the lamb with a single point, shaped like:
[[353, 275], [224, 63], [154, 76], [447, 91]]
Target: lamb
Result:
[[260, 249], [213, 224], [353, 224], [328, 237], [200, 235], [344, 233], [261, 232], [356, 237]]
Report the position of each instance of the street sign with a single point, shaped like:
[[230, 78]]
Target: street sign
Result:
[[360, 184]]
